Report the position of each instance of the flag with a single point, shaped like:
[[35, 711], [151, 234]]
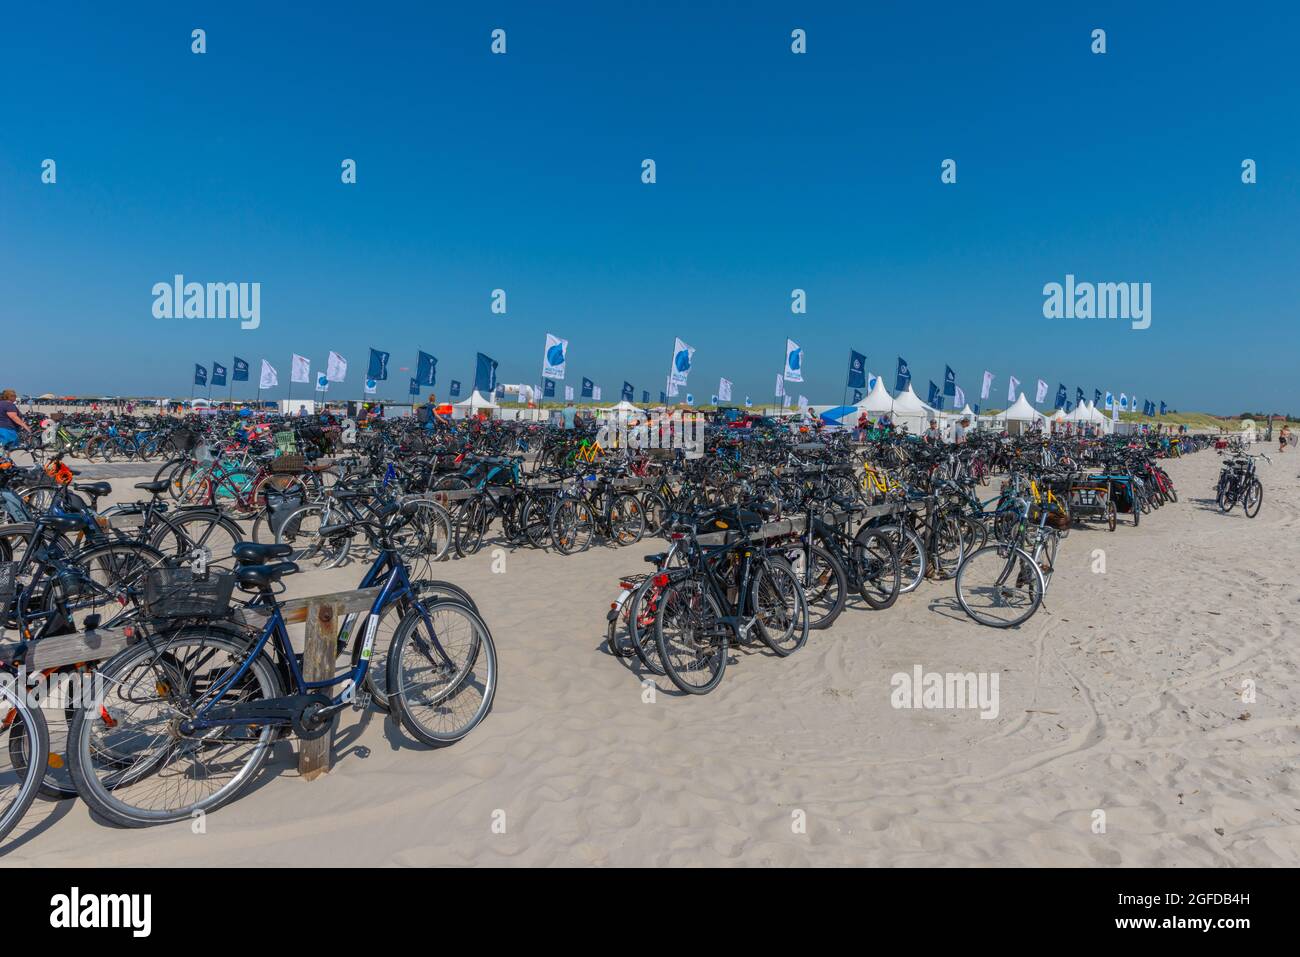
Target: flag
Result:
[[904, 376], [933, 400], [748, 404], [780, 385], [793, 362], [713, 399], [485, 375], [1110, 401], [414, 388], [241, 370], [645, 396], [568, 393], [857, 396], [300, 370], [523, 394], [548, 389], [371, 386], [270, 378], [595, 393], [1096, 396], [1062, 397], [500, 391], [200, 375], [724, 390], [1163, 408], [975, 408], [949, 381], [690, 399], [663, 398], [1012, 385], [336, 369], [426, 368], [871, 382], [988, 384], [857, 370], [1123, 402], [959, 400], [588, 388], [554, 356], [218, 374], [628, 391], [683, 355], [1040, 392], [378, 366], [803, 405], [1078, 395], [454, 388], [322, 382]]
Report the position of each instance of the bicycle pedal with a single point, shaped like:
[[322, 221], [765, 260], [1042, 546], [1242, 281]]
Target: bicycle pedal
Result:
[[361, 701]]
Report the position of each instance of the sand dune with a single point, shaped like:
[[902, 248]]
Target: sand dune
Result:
[[1123, 695]]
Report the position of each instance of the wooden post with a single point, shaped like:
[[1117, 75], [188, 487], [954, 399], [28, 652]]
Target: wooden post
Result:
[[320, 650]]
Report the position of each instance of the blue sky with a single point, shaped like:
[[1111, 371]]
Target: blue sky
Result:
[[775, 172]]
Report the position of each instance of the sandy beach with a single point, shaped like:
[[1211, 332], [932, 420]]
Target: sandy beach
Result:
[[1124, 696]]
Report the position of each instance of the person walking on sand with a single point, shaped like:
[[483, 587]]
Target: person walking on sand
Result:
[[1283, 437]]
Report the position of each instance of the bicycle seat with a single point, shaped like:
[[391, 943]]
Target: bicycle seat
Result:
[[154, 487], [254, 553], [95, 488], [65, 523], [655, 559], [263, 576]]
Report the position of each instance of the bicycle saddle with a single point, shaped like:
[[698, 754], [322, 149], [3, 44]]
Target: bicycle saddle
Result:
[[154, 487], [96, 488], [254, 553], [66, 523], [263, 576]]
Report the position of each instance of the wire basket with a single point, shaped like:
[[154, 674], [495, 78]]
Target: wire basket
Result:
[[290, 462], [179, 593], [8, 581]]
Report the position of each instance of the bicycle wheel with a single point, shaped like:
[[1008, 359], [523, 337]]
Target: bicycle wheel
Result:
[[655, 508], [130, 761], [573, 525], [536, 520], [879, 573], [301, 529], [911, 554], [949, 547], [1000, 586], [202, 530], [1252, 498], [427, 535], [780, 609], [824, 582], [626, 519], [20, 783], [470, 525], [690, 636], [441, 672]]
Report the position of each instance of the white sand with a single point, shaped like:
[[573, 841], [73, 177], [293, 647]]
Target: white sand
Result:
[[1123, 695]]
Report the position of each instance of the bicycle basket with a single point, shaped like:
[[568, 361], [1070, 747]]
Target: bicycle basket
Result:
[[286, 442], [177, 593], [290, 462], [8, 581]]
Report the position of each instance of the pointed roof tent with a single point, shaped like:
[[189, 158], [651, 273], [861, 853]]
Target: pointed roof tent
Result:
[[624, 406], [908, 403], [1021, 411], [877, 400], [476, 400]]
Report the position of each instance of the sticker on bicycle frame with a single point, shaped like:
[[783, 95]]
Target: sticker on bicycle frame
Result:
[[368, 645]]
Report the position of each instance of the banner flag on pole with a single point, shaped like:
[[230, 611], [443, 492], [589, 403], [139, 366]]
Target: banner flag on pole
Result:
[[857, 370], [548, 389], [988, 384], [933, 400], [683, 355], [959, 398], [949, 381], [1012, 385], [1096, 397], [1110, 401], [200, 375], [485, 375], [554, 356], [628, 391], [1040, 392], [595, 392], [780, 384], [371, 387], [414, 388], [1078, 395], [1163, 408], [300, 371], [378, 366], [588, 388], [645, 396], [322, 382], [568, 393], [241, 370], [218, 374], [793, 362], [454, 388], [724, 390], [1062, 397], [857, 396], [270, 378], [748, 404], [336, 369], [904, 376], [426, 368]]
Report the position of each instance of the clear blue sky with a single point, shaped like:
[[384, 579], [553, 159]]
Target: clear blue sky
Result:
[[775, 171]]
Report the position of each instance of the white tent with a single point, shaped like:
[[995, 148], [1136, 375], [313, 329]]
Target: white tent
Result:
[[909, 410], [476, 401], [877, 401], [624, 406]]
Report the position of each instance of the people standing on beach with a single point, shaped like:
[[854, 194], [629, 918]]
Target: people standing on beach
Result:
[[933, 434], [11, 420], [570, 415], [959, 432]]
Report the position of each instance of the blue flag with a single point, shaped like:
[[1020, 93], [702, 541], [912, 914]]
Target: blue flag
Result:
[[975, 409], [934, 395], [1163, 408], [426, 369], [645, 396], [663, 397], [904, 376], [485, 375], [200, 375], [378, 365], [949, 381], [415, 387], [857, 396], [455, 388], [588, 387], [857, 370], [1096, 396], [218, 374], [1062, 397], [241, 370], [627, 391], [1078, 395], [548, 389]]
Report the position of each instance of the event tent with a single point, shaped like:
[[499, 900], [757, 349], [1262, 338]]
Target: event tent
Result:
[[877, 401], [909, 410], [476, 401]]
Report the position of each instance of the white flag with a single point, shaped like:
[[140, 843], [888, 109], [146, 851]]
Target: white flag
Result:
[[683, 356], [322, 382], [336, 368], [793, 362], [780, 384], [301, 371], [1011, 389], [595, 393], [568, 393], [554, 356], [959, 400], [988, 384], [748, 404], [269, 378], [371, 386], [803, 404], [1041, 393], [724, 390]]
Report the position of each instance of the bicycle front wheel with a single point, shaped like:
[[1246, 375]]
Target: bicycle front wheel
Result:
[[693, 642], [20, 781], [1000, 586]]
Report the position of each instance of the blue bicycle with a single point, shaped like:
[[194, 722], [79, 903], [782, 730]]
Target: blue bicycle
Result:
[[189, 715]]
